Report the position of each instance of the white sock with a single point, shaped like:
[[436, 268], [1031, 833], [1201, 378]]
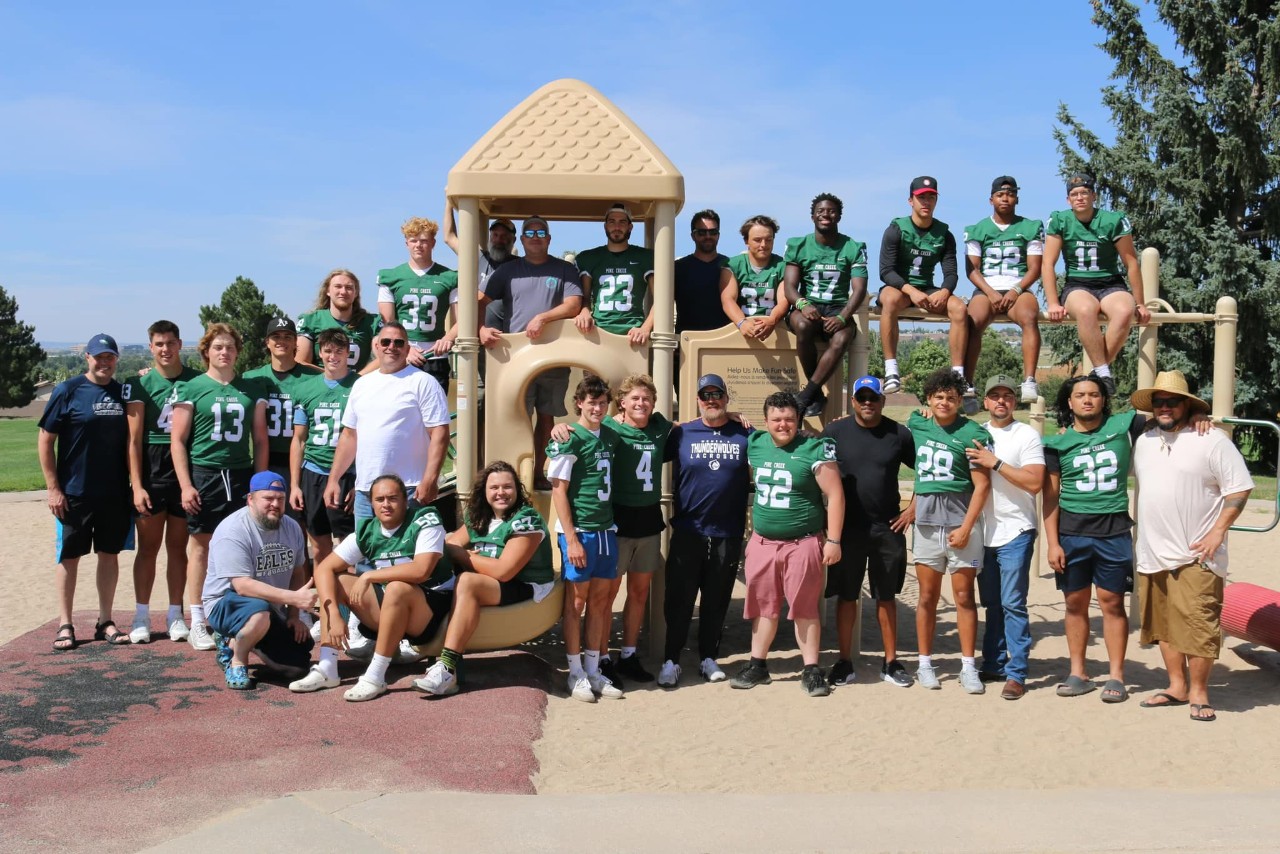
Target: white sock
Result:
[[628, 651], [967, 663], [328, 662], [926, 661], [890, 366], [1102, 370], [197, 616], [575, 663], [377, 671], [141, 612], [592, 657], [1030, 379], [307, 618], [175, 613], [959, 370], [352, 622]]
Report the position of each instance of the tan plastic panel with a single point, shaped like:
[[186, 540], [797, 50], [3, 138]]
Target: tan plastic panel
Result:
[[559, 153], [503, 628]]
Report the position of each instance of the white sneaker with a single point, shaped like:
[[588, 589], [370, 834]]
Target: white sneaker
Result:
[[438, 680], [971, 682], [200, 638], [669, 674], [601, 686], [313, 681], [1030, 391], [580, 688], [711, 671], [178, 630], [141, 632], [408, 653], [362, 651], [928, 678], [363, 690], [892, 384]]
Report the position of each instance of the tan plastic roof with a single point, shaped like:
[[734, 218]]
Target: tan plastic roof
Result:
[[564, 153]]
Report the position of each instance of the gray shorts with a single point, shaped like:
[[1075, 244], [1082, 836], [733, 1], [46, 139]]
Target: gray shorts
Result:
[[929, 546], [639, 554], [546, 393]]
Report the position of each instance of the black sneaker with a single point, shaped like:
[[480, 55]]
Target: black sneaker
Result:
[[895, 674], [815, 408], [750, 676], [631, 668], [892, 384], [842, 673], [610, 670], [990, 676], [813, 682], [1108, 384]]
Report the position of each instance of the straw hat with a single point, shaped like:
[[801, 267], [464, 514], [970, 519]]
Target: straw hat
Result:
[[1172, 382]]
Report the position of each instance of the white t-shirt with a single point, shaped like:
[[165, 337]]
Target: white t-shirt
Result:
[[1181, 480], [391, 414], [1009, 510]]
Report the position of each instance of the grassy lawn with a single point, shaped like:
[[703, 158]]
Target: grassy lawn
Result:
[[19, 466]]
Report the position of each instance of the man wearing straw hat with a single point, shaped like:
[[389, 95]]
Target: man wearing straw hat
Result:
[[1191, 489]]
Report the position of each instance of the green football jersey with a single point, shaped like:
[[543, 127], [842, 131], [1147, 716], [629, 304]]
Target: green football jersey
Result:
[[221, 434], [282, 391], [619, 284], [757, 289], [321, 407], [591, 481], [788, 499], [383, 550], [941, 464], [1003, 250], [422, 302], [361, 334], [526, 520], [827, 271], [1089, 250], [1094, 466], [637, 465], [154, 391], [919, 252]]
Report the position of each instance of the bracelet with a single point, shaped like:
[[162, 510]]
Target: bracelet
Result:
[[843, 321], [996, 467], [740, 322], [833, 542], [802, 304]]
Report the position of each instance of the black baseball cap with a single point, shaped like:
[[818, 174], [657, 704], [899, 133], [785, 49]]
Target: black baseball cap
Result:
[[1081, 179], [102, 343], [924, 184], [1004, 182], [281, 324]]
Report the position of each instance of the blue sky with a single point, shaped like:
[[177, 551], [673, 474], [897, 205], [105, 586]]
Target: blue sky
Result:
[[151, 153]]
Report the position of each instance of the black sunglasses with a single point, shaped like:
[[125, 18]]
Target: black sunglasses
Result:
[[1162, 402], [711, 394], [707, 232], [392, 343]]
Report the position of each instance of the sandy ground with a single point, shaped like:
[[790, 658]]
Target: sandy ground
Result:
[[870, 736]]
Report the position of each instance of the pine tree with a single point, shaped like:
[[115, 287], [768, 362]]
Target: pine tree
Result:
[[246, 309], [20, 356]]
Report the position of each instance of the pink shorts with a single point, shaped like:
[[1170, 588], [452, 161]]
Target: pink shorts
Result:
[[778, 568]]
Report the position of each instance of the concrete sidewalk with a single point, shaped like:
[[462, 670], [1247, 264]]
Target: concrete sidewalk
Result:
[[990, 822]]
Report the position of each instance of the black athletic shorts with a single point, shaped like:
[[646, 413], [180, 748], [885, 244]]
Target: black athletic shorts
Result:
[[1097, 288], [637, 522], [161, 482], [514, 592], [439, 601], [102, 525], [826, 310], [317, 518], [222, 492], [880, 553]]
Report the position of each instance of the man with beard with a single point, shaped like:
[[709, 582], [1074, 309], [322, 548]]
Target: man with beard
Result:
[[256, 586], [826, 281], [615, 282], [700, 276], [500, 250]]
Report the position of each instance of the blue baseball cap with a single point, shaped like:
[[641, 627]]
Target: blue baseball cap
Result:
[[868, 382], [267, 481], [711, 381], [102, 343]]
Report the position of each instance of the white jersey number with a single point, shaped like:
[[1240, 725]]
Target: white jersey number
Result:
[[228, 424], [1099, 473], [776, 495], [935, 464], [616, 292]]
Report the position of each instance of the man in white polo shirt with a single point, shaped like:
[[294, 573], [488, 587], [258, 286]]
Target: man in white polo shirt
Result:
[[1009, 535]]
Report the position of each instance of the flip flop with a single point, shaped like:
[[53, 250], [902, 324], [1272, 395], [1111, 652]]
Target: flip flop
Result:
[[1197, 713], [1074, 686], [1114, 691], [1169, 700], [62, 642], [115, 637]]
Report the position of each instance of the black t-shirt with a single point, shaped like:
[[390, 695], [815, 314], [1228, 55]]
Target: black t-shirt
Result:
[[697, 292], [869, 459]]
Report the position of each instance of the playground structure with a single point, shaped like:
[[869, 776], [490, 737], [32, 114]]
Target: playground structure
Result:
[[567, 153]]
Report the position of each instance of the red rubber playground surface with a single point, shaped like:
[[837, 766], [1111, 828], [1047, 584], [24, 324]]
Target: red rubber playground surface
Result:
[[115, 748]]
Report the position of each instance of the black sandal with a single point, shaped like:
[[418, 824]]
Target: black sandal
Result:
[[115, 638], [62, 642]]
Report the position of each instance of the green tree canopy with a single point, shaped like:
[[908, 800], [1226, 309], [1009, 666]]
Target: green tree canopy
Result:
[[20, 356], [924, 358], [247, 310], [997, 357], [1196, 166]]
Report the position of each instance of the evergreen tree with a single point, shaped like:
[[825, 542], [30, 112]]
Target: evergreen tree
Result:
[[246, 309], [997, 357], [20, 356], [925, 357], [1195, 164]]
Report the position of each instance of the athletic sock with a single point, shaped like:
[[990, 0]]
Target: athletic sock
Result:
[[197, 616], [308, 619], [175, 613], [1029, 380], [450, 659], [759, 662], [967, 662], [377, 671], [1102, 370], [890, 366], [958, 370], [328, 662], [592, 657], [926, 661], [628, 651], [575, 662], [141, 612]]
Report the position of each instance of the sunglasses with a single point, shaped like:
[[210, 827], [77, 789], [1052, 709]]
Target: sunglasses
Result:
[[711, 394], [536, 232], [868, 398], [392, 343], [706, 232], [1166, 402]]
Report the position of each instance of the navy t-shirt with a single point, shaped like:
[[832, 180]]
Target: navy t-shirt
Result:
[[697, 293], [711, 478], [93, 437], [869, 460]]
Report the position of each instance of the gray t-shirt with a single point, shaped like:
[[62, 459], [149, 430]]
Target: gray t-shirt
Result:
[[526, 290], [240, 548]]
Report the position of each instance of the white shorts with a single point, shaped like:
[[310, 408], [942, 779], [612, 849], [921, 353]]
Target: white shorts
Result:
[[929, 546]]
